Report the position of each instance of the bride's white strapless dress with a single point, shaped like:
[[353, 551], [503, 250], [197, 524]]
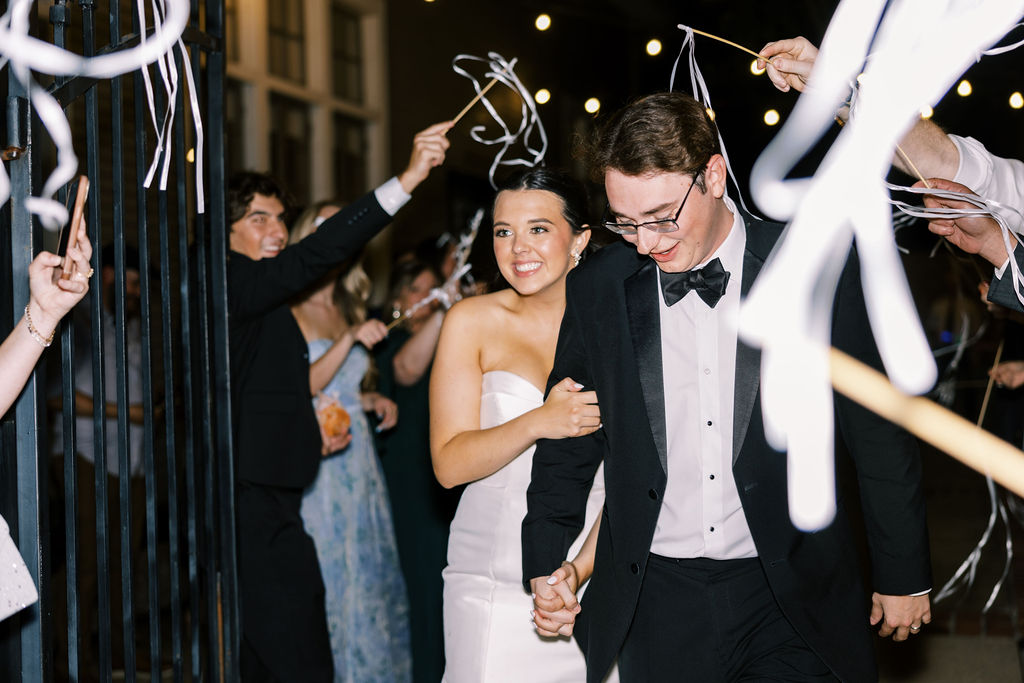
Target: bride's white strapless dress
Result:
[[488, 632]]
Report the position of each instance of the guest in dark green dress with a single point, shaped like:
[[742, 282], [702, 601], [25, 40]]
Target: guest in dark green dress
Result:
[[421, 508]]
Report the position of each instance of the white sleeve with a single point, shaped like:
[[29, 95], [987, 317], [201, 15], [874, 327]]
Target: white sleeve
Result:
[[392, 196], [990, 176]]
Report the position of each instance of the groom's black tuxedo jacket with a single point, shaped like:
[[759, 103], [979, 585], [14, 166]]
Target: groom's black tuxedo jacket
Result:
[[610, 342]]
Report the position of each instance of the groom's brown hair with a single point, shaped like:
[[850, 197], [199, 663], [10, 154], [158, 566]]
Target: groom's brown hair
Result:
[[666, 132]]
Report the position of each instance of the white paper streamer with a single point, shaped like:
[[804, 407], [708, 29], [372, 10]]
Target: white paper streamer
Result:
[[448, 293], [529, 123], [919, 48], [24, 54], [699, 91]]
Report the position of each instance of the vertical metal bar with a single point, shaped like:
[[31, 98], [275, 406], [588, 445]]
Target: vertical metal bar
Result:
[[209, 519], [25, 525], [188, 407], [120, 351], [150, 473], [92, 144], [215, 67], [60, 20]]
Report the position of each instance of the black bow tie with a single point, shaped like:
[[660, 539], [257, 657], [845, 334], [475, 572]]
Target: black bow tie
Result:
[[709, 282]]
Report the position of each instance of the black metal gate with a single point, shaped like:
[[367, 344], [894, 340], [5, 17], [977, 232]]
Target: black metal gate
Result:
[[176, 564]]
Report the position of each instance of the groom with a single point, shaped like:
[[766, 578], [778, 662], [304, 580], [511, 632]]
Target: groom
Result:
[[699, 573]]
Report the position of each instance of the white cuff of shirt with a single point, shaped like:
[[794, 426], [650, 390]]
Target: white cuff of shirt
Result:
[[975, 170], [392, 196]]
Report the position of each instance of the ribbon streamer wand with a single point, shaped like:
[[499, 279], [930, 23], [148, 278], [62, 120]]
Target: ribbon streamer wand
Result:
[[932, 423], [735, 45], [76, 222], [473, 101], [991, 380]]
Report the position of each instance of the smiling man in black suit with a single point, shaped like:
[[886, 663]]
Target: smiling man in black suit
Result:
[[699, 573]]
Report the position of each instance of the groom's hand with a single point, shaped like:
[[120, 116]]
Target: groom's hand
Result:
[[900, 615]]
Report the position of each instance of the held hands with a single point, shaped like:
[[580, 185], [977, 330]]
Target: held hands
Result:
[[976, 235], [428, 149], [1009, 374], [554, 601], [568, 411], [900, 615], [370, 333], [50, 296], [792, 61]]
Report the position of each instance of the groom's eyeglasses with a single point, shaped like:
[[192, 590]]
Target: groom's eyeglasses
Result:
[[660, 225]]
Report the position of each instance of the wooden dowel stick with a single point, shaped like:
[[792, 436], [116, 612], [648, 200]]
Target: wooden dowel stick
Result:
[[991, 380], [729, 42], [474, 100], [396, 321], [76, 222], [932, 423]]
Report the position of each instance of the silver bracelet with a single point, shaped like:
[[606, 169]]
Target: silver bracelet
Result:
[[43, 341]]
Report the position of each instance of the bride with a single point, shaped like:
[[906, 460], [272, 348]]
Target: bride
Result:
[[487, 409]]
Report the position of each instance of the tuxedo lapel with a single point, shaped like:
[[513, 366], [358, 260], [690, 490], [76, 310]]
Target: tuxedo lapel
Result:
[[645, 330], [748, 358]]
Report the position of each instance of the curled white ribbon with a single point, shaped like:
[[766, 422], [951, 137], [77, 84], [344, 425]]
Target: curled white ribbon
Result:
[[24, 54], [699, 91], [529, 126], [919, 48]]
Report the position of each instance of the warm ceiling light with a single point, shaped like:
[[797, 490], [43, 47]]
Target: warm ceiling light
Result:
[[190, 156], [543, 22], [964, 88], [1016, 100], [926, 112], [654, 47], [754, 70], [771, 117], [592, 105], [542, 96]]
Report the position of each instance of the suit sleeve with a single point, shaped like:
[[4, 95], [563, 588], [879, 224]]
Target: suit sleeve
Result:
[[886, 458], [255, 287], [1001, 290], [563, 469]]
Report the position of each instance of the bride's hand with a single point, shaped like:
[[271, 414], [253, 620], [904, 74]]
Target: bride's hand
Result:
[[569, 411], [554, 601]]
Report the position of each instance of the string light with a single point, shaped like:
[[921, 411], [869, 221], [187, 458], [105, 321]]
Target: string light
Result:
[[1016, 100], [754, 70], [771, 117], [654, 47], [926, 112], [711, 113], [543, 22], [964, 88], [592, 106], [543, 96]]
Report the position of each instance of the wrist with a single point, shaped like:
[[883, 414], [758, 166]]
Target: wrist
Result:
[[410, 179], [40, 325]]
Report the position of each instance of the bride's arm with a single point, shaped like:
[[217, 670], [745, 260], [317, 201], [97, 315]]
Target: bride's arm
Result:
[[460, 449]]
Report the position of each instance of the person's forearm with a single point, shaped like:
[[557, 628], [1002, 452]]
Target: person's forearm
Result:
[[326, 366], [413, 359], [475, 454], [18, 356], [584, 560], [930, 150]]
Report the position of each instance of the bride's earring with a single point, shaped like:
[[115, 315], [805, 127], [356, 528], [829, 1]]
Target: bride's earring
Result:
[[575, 257]]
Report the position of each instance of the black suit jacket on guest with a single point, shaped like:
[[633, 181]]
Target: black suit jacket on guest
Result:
[[610, 341], [276, 436], [1001, 290]]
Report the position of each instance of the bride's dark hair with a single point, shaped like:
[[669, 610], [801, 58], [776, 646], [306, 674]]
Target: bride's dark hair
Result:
[[571, 191]]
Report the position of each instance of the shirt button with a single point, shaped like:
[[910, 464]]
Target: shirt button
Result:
[[635, 568], [712, 528], [711, 476], [707, 371], [653, 494], [709, 423]]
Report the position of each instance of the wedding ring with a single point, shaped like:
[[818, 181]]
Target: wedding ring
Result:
[[915, 628], [89, 274]]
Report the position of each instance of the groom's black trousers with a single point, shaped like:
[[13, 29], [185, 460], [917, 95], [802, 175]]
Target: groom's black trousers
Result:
[[707, 621]]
